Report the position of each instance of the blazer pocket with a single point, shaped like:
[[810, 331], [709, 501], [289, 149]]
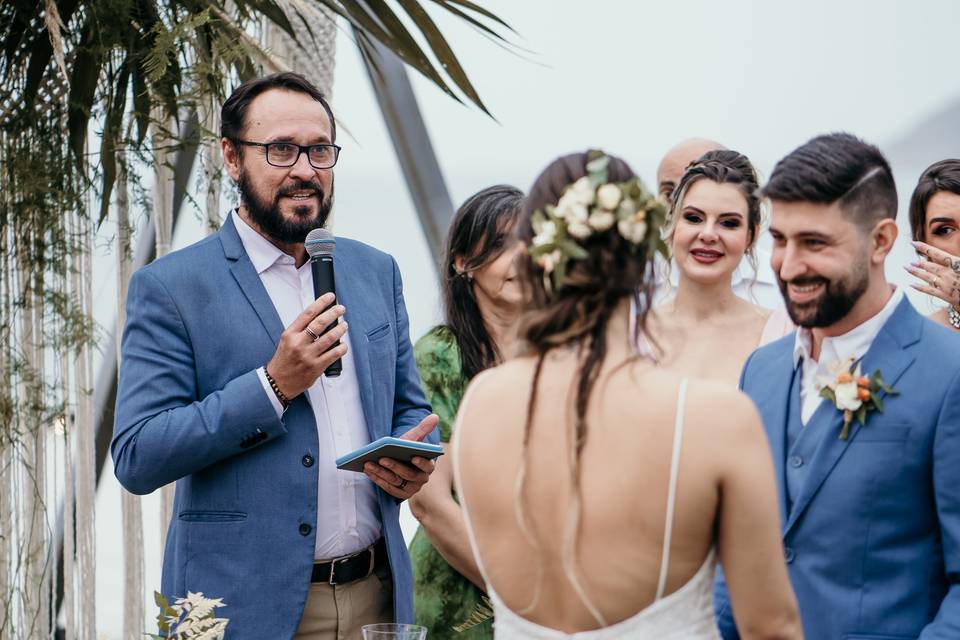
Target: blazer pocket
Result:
[[212, 516], [379, 332], [882, 433]]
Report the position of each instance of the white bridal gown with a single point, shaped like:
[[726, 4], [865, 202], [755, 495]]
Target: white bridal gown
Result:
[[686, 614]]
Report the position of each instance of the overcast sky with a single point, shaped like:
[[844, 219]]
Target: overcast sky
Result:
[[635, 77], [629, 76]]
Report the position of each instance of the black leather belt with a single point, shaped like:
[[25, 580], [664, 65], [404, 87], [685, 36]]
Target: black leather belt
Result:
[[350, 568]]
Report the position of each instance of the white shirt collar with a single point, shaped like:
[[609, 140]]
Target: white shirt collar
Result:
[[262, 253], [852, 344]]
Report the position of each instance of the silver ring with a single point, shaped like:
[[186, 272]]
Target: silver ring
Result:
[[314, 335], [403, 483], [955, 265]]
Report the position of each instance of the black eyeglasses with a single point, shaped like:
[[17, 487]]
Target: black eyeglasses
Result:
[[287, 154]]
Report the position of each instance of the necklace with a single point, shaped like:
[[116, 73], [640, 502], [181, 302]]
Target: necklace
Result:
[[954, 317]]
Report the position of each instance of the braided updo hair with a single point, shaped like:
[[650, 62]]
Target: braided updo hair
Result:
[[593, 286], [723, 166]]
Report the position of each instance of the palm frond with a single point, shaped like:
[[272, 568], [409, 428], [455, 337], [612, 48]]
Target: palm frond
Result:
[[376, 20], [441, 49], [119, 60]]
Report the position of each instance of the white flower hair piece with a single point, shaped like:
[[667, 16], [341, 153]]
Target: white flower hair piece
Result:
[[592, 206]]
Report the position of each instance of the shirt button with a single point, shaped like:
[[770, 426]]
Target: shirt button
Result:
[[789, 555], [796, 462], [307, 460], [305, 529]]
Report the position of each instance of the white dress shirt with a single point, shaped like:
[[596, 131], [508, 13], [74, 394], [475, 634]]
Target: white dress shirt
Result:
[[348, 518], [853, 344]]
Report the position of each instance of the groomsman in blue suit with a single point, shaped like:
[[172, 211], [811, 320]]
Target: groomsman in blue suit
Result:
[[871, 512], [222, 390]]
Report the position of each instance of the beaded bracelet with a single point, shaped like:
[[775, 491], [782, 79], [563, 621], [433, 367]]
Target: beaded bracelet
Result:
[[284, 400]]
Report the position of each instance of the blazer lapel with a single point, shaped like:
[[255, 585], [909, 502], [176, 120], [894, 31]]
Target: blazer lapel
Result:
[[349, 293], [249, 281], [887, 353]]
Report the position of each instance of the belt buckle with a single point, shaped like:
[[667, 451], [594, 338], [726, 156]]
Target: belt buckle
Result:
[[333, 568], [333, 564]]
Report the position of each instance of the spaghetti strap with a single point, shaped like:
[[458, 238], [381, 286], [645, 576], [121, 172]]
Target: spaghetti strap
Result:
[[672, 490], [457, 438]]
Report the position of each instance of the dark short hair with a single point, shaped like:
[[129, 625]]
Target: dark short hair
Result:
[[480, 232], [234, 110], [940, 176], [837, 167]]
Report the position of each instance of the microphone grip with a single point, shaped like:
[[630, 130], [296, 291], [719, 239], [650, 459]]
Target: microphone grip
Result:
[[323, 282]]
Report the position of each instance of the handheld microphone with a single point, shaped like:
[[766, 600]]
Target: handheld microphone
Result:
[[320, 244]]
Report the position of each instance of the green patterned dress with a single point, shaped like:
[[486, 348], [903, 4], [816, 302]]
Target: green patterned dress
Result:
[[443, 599]]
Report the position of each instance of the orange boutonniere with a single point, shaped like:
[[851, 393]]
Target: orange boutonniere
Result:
[[853, 393]]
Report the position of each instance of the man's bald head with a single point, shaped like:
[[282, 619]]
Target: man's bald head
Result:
[[675, 162]]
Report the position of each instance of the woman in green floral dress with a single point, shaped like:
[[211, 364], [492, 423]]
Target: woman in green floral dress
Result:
[[482, 301]]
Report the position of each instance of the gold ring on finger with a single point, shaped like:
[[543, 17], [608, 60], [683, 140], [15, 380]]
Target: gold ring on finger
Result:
[[312, 334]]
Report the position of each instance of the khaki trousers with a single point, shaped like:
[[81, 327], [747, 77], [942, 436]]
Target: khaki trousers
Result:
[[338, 612]]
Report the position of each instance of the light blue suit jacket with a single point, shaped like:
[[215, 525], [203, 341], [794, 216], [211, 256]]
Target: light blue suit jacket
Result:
[[872, 541], [191, 409]]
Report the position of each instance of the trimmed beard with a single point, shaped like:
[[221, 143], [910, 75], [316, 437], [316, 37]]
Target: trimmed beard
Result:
[[270, 220], [837, 300]]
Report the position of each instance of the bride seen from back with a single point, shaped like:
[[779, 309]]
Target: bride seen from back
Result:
[[706, 330], [598, 488]]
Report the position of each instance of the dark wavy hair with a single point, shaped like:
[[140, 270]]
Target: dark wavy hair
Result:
[[940, 176], [837, 167], [480, 231]]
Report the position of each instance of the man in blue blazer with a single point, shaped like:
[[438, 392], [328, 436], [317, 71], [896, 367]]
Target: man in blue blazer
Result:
[[222, 390], [871, 518]]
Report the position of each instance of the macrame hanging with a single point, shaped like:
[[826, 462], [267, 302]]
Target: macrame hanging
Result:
[[313, 53], [131, 510], [162, 137], [85, 436]]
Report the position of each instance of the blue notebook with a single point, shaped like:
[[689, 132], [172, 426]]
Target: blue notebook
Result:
[[402, 450]]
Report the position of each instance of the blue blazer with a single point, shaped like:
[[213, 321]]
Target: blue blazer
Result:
[[191, 410], [872, 541]]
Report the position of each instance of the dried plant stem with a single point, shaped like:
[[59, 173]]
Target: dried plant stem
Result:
[[6, 437], [69, 491]]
